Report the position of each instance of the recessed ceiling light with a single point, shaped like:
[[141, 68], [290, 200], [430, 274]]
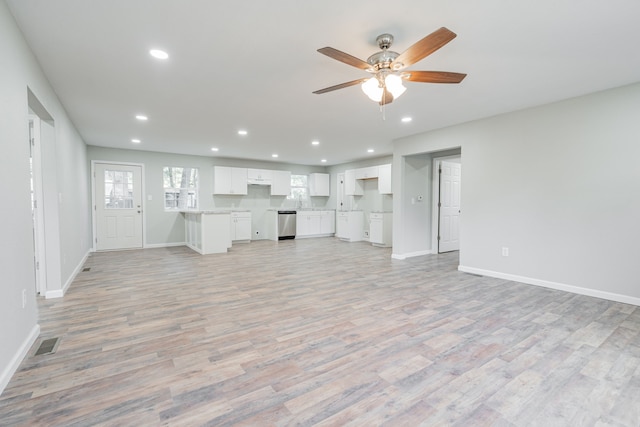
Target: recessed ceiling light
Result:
[[370, 150], [135, 141], [242, 132], [142, 117], [315, 142], [274, 156], [324, 160], [406, 119], [214, 148], [159, 54]]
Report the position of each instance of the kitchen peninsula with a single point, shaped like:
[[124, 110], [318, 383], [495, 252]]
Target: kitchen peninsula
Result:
[[207, 232]]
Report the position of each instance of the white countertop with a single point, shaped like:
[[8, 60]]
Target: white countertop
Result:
[[201, 212], [299, 209]]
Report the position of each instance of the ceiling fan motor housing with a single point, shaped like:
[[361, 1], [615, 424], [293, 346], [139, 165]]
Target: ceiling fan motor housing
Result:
[[385, 57], [382, 59]]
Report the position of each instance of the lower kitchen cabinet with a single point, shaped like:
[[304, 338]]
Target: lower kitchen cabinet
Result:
[[349, 225], [240, 226], [380, 226], [207, 232], [314, 223]]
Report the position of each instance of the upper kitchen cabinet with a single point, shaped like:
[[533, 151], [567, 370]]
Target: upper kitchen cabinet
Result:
[[352, 186], [259, 176], [228, 180], [280, 183], [367, 173], [319, 184], [384, 179]]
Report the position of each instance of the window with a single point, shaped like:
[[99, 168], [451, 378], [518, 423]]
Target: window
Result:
[[299, 188], [180, 188], [118, 189]]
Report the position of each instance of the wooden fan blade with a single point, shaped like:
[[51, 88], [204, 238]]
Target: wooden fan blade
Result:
[[341, 86], [423, 48], [344, 57], [387, 98], [433, 76]]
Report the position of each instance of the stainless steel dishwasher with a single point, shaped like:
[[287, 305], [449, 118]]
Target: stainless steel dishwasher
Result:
[[286, 225]]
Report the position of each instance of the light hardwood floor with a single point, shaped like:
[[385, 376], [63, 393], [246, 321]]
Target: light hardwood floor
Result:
[[322, 332]]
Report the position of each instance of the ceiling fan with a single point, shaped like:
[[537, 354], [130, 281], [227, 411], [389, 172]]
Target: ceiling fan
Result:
[[387, 67]]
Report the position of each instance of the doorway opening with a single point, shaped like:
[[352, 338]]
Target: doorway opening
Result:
[[37, 206]]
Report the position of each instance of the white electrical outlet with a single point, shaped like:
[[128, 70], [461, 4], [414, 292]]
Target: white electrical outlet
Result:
[[505, 251], [24, 298]]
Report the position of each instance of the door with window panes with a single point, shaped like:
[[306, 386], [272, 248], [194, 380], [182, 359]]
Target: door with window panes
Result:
[[118, 208]]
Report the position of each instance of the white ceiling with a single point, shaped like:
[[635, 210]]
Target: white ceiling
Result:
[[252, 64]]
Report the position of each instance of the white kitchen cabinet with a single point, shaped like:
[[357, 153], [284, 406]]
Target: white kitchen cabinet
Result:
[[367, 173], [228, 180], [280, 183], [380, 226], [259, 176], [352, 186], [328, 222], [207, 232], [307, 223], [315, 223], [384, 179], [349, 225], [319, 184], [240, 226]]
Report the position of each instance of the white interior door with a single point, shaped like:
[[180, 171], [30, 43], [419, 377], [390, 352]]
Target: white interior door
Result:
[[449, 207], [118, 206], [37, 205]]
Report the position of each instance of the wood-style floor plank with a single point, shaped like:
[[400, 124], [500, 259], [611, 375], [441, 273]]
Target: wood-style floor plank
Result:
[[326, 333]]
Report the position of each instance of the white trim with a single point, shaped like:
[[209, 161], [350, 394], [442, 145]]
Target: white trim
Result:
[[17, 358], [412, 254], [553, 285], [38, 223], [93, 199], [59, 293], [164, 245]]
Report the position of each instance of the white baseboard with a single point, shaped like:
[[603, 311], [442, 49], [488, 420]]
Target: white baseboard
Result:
[[13, 366], [163, 245], [412, 254], [553, 285], [59, 293]]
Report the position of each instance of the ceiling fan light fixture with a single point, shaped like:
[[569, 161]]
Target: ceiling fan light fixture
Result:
[[372, 89], [393, 82]]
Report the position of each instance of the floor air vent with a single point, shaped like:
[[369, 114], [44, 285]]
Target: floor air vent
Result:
[[86, 269], [48, 346]]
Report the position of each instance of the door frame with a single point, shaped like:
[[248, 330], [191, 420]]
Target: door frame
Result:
[[94, 222], [435, 192], [40, 252]]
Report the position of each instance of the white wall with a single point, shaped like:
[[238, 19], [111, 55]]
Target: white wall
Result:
[[166, 227], [558, 185], [20, 71]]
